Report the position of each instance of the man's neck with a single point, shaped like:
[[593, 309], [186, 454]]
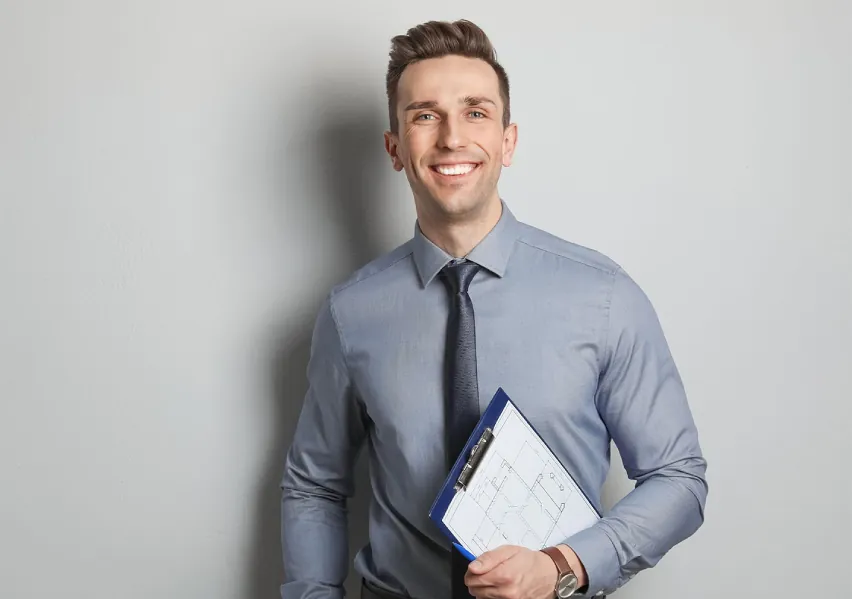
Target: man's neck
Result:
[[459, 237]]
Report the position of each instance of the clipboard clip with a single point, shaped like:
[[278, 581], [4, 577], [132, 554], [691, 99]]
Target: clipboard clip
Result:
[[476, 454]]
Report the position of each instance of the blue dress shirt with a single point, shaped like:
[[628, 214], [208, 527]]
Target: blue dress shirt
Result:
[[574, 342]]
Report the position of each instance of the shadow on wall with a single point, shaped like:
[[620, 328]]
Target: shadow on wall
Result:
[[345, 162]]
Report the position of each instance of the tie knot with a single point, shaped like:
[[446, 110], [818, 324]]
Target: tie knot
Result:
[[458, 275]]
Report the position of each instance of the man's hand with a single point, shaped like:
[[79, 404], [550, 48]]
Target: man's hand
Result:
[[512, 572]]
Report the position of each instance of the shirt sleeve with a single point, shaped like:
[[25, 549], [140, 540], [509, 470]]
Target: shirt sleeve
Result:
[[318, 472], [642, 401]]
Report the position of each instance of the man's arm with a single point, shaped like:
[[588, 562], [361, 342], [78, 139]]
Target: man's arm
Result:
[[318, 475], [641, 399]]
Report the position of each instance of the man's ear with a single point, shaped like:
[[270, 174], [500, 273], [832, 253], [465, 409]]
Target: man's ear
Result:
[[510, 142], [392, 148]]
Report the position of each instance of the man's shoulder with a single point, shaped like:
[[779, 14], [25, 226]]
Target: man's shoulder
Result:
[[359, 281], [573, 253]]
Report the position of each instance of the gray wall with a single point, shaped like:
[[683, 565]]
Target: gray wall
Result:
[[182, 182]]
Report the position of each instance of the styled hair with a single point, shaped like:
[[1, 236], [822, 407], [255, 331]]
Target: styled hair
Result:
[[436, 39]]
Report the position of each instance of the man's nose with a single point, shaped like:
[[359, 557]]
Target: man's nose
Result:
[[452, 135]]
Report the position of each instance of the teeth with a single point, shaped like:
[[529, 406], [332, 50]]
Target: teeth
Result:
[[456, 169]]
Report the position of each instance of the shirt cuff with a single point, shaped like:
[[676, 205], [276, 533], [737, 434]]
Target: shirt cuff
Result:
[[599, 558], [297, 589]]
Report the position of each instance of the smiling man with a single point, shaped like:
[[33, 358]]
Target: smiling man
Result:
[[452, 137], [410, 349]]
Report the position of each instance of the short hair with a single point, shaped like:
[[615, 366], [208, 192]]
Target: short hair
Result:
[[436, 39]]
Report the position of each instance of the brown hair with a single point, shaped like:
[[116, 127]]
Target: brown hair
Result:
[[436, 39]]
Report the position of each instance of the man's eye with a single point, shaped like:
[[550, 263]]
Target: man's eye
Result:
[[424, 116], [477, 114]]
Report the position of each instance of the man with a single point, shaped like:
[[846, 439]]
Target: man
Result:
[[409, 350]]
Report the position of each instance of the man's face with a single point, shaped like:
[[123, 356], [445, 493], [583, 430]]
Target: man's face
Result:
[[451, 141]]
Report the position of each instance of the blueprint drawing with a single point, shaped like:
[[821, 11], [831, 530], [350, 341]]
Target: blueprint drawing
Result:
[[519, 495]]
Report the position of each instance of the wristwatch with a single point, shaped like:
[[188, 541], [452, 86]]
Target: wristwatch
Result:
[[566, 580]]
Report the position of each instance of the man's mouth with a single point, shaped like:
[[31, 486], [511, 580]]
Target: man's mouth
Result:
[[455, 170]]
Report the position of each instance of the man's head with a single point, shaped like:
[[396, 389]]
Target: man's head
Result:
[[448, 103]]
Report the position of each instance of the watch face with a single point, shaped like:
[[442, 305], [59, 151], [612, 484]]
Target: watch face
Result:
[[566, 586]]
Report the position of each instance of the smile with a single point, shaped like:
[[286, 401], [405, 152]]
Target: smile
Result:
[[454, 170]]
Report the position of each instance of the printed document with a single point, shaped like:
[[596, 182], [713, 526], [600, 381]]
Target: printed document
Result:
[[519, 494]]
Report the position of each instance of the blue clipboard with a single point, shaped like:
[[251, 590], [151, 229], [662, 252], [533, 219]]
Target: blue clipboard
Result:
[[467, 461]]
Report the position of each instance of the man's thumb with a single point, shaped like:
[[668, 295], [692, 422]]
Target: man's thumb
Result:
[[491, 559]]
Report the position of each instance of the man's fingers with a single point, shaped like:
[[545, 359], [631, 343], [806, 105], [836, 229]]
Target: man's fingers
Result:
[[480, 581], [493, 592], [495, 577], [483, 590], [491, 559]]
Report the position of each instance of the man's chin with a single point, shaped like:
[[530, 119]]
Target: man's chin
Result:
[[455, 207]]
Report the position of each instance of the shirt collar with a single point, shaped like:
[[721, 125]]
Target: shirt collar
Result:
[[491, 253]]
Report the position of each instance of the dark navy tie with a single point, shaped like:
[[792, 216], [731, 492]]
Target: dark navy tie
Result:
[[462, 388]]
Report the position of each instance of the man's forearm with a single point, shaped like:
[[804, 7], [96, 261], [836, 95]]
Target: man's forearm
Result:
[[314, 539], [664, 509], [576, 565], [318, 472], [642, 401]]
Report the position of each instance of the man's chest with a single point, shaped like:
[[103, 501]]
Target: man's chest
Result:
[[543, 349]]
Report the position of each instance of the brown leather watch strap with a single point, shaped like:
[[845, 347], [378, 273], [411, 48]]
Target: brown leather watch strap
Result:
[[559, 559]]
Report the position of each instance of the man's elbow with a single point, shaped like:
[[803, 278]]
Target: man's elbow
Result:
[[299, 487], [688, 478]]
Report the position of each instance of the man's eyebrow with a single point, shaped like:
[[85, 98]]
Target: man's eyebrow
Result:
[[467, 101], [421, 105], [478, 101]]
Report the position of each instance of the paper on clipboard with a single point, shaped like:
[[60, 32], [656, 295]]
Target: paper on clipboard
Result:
[[517, 493]]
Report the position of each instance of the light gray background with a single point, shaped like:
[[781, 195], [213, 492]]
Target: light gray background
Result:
[[182, 182]]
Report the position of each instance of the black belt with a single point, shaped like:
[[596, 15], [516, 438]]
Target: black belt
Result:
[[371, 591]]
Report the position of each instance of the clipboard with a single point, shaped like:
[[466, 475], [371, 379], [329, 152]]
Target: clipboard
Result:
[[476, 453]]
